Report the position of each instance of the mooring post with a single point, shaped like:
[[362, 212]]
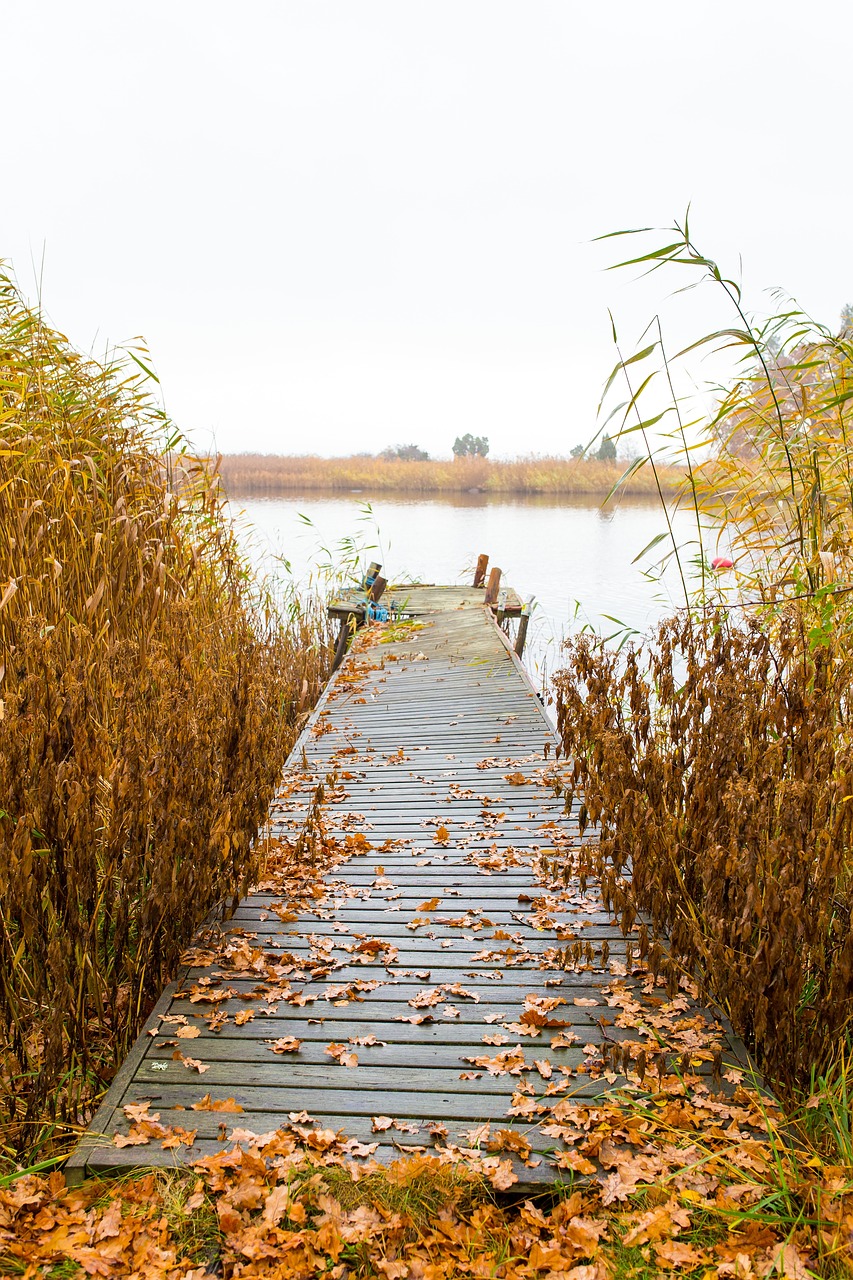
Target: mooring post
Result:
[[524, 619], [480, 571], [493, 586], [377, 586]]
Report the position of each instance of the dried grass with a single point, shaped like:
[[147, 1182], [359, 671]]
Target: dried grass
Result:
[[150, 693]]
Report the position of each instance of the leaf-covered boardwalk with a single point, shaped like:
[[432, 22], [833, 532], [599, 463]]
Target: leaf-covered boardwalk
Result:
[[442, 990]]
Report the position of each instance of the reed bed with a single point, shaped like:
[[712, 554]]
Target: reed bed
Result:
[[725, 818], [150, 693], [717, 756], [267, 475]]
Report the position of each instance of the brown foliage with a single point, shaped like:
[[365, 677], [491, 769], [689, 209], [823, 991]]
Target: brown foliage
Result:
[[719, 765], [150, 695]]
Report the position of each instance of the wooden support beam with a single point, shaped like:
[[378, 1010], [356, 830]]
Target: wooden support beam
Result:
[[480, 571], [377, 587], [371, 575], [493, 586], [347, 631]]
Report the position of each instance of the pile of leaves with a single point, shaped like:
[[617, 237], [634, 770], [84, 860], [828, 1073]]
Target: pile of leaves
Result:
[[679, 1195]]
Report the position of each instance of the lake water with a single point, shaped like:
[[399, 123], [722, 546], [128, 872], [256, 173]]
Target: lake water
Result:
[[574, 558]]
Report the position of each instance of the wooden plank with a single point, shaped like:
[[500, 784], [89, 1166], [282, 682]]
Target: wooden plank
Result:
[[452, 1103], [313, 1077], [210, 1124], [433, 1066], [385, 1011], [340, 1024]]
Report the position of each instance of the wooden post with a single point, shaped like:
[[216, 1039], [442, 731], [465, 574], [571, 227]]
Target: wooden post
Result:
[[480, 571], [493, 586], [371, 575], [523, 621], [377, 587]]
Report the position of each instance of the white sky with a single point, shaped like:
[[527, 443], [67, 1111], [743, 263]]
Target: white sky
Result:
[[341, 224]]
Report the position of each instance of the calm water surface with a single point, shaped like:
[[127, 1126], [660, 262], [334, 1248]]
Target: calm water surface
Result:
[[572, 557]]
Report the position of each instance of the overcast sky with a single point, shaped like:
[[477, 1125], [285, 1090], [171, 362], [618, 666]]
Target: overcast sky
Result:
[[341, 224]]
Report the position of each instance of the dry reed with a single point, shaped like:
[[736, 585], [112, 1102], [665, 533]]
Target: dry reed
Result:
[[718, 761], [259, 475], [150, 693], [718, 756]]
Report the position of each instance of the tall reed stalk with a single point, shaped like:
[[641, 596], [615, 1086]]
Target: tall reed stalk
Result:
[[717, 756], [150, 692]]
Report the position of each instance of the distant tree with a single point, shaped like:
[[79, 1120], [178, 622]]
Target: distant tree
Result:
[[469, 446], [405, 453], [578, 451], [606, 450], [847, 320]]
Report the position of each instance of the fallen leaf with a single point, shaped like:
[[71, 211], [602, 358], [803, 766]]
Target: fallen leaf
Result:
[[191, 1064], [285, 1044], [276, 1204], [573, 1160], [178, 1137], [342, 1055], [216, 1104], [134, 1139], [137, 1111], [503, 1176], [673, 1253], [652, 1225]]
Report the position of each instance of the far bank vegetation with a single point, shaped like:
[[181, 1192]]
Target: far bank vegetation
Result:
[[400, 469]]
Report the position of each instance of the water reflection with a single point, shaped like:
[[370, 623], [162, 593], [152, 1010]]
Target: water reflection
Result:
[[572, 556]]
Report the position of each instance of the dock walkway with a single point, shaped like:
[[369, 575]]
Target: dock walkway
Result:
[[463, 987]]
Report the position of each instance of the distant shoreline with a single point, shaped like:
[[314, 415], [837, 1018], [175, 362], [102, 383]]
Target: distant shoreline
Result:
[[273, 475]]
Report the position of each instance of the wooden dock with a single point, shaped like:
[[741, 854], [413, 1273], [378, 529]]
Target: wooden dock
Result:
[[492, 991]]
